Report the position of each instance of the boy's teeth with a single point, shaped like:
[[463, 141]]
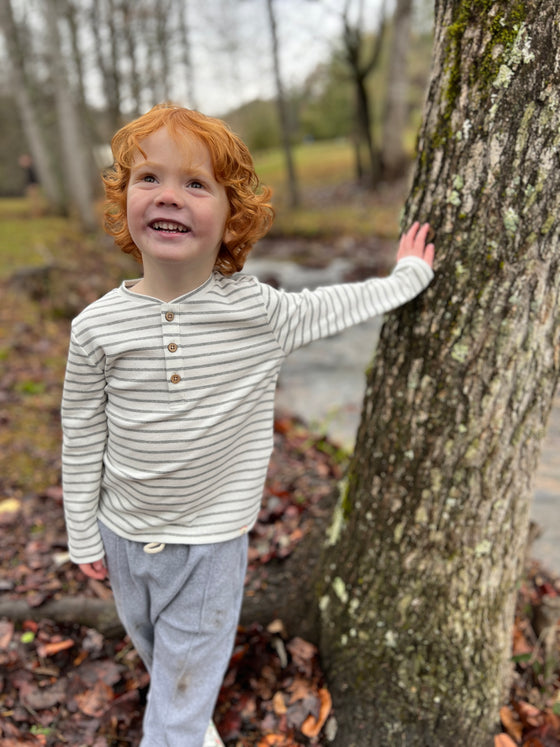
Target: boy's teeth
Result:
[[162, 225]]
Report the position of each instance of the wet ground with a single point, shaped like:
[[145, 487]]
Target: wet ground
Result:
[[324, 384]]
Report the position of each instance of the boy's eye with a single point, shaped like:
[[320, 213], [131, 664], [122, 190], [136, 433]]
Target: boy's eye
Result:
[[196, 185], [148, 178]]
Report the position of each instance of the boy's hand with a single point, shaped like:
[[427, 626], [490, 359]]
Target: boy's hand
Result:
[[413, 244], [96, 570]]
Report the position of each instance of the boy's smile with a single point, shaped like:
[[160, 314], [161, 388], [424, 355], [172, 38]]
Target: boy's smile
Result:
[[176, 210]]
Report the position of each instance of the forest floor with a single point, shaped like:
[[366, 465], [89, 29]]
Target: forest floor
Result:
[[67, 684]]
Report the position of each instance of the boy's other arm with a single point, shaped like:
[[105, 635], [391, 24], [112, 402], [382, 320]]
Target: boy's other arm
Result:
[[413, 244], [84, 427], [96, 570]]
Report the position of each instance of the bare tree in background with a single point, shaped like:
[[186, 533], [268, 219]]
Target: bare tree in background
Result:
[[395, 114], [361, 64], [76, 160], [106, 29], [283, 111], [186, 58], [24, 94], [129, 8]]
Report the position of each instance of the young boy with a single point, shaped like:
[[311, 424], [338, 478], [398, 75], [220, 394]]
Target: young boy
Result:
[[168, 401]]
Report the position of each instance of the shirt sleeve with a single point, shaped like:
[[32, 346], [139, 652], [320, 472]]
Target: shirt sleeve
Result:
[[300, 318], [84, 428]]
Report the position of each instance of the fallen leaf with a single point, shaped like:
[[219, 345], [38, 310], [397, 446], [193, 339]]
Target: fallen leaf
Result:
[[529, 714], [50, 649], [10, 506], [277, 626], [503, 740], [520, 645], [299, 689], [511, 723], [275, 740], [40, 698], [6, 633], [311, 726], [302, 652], [279, 704], [94, 702], [552, 722]]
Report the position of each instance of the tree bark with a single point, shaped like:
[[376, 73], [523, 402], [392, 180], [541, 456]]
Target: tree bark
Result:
[[418, 584]]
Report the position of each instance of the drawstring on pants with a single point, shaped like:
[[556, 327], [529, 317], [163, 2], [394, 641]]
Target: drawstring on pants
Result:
[[154, 547]]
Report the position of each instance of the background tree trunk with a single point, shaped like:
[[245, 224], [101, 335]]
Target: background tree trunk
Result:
[[23, 94], [418, 585], [361, 65], [76, 163], [395, 114], [283, 113]]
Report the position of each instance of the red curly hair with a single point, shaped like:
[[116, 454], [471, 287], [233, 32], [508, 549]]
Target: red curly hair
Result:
[[251, 213]]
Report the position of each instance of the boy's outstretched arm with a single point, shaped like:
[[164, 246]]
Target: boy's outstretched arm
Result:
[[413, 244], [97, 569]]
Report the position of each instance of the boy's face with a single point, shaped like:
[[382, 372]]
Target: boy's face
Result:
[[176, 210]]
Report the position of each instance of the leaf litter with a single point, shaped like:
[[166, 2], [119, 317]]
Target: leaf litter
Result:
[[68, 684]]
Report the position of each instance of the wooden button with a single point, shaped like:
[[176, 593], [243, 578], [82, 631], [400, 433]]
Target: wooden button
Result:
[[169, 316], [175, 378], [172, 347]]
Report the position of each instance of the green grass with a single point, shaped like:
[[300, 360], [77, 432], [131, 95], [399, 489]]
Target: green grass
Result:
[[318, 164], [31, 242], [326, 211]]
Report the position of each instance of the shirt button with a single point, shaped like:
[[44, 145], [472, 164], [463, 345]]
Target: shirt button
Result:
[[169, 316], [172, 347], [175, 378]]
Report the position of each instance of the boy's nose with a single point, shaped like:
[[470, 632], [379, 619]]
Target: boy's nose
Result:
[[169, 195]]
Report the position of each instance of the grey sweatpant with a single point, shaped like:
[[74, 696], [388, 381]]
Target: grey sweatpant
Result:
[[180, 608]]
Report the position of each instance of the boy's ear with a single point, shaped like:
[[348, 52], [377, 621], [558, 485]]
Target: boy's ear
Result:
[[228, 235]]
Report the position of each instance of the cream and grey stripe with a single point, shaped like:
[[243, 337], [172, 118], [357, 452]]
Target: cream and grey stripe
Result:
[[167, 409]]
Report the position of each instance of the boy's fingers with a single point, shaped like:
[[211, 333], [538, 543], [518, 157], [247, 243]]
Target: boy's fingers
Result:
[[413, 242], [421, 235], [412, 232], [429, 254]]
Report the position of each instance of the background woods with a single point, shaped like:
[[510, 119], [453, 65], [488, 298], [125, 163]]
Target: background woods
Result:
[[413, 600], [79, 69]]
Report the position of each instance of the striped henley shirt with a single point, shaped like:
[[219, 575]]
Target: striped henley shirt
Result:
[[167, 410]]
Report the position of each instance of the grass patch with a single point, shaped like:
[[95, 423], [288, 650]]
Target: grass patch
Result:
[[331, 203], [318, 164], [350, 219], [31, 242]]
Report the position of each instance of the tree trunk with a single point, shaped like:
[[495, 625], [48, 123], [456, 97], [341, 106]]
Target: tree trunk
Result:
[[75, 160], [103, 24], [360, 69], [186, 58], [395, 115], [23, 95], [130, 39], [418, 584], [285, 125]]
